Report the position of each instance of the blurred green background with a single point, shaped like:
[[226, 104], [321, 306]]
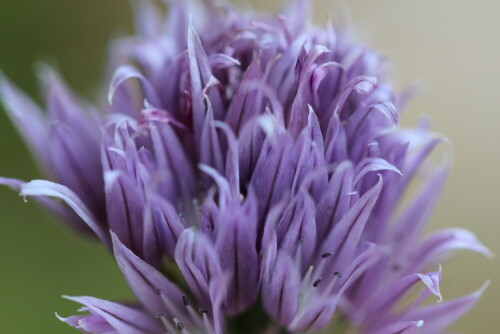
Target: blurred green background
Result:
[[453, 44], [39, 259]]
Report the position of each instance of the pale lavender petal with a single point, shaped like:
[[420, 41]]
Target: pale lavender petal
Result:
[[197, 259], [107, 315], [281, 290], [344, 237], [28, 119], [148, 284], [245, 103], [236, 245], [438, 317], [42, 188], [406, 327], [336, 200], [443, 242], [125, 73]]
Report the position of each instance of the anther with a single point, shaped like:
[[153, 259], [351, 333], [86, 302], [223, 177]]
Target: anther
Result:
[[160, 315], [261, 255], [339, 275], [317, 282], [185, 300], [395, 267], [325, 255], [203, 311], [299, 242], [179, 325]]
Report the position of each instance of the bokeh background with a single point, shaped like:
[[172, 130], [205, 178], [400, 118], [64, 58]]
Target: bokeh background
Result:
[[454, 45]]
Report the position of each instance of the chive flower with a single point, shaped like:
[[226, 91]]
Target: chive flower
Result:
[[249, 175]]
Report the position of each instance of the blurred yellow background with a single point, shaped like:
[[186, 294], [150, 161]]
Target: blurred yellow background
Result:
[[453, 44]]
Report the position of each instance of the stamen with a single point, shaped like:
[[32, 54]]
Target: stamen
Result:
[[307, 278], [170, 306], [208, 326], [179, 325], [298, 254], [195, 213], [159, 315], [203, 310], [325, 255], [339, 275], [317, 282], [194, 316], [305, 286], [165, 322], [299, 242], [185, 300]]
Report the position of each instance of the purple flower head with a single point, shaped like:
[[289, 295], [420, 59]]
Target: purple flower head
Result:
[[248, 174]]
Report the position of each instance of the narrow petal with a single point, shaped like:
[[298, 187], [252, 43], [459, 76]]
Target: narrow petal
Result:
[[296, 230], [236, 246], [198, 261], [271, 179], [438, 317], [336, 200], [411, 222], [435, 247], [167, 223], [343, 239], [122, 319], [373, 165], [280, 291], [201, 75], [28, 119], [148, 284], [406, 327], [42, 188], [125, 73]]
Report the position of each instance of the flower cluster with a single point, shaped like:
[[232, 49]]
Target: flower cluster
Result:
[[248, 174]]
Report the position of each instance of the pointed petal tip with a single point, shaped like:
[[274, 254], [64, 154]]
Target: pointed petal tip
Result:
[[268, 124], [72, 298], [45, 72], [489, 254], [432, 280], [446, 140], [118, 246], [192, 34], [126, 72], [59, 317], [481, 248], [44, 188], [4, 84], [479, 292], [110, 178], [14, 184]]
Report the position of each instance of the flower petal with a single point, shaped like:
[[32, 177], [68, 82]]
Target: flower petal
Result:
[[43, 188], [236, 245], [281, 290], [148, 284], [105, 315]]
